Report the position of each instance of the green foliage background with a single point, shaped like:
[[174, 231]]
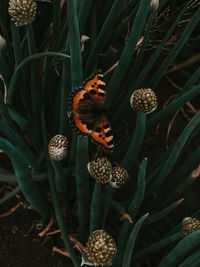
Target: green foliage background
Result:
[[43, 62]]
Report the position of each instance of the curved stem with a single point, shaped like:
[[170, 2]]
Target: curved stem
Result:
[[10, 195], [24, 63]]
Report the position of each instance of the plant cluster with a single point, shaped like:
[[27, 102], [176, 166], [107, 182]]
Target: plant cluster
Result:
[[46, 50]]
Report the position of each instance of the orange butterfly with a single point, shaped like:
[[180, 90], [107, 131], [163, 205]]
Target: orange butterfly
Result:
[[87, 114]]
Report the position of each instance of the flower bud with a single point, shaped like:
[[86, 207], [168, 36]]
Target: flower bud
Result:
[[143, 100], [100, 249], [100, 170], [190, 225], [58, 147], [154, 5], [22, 12], [119, 177]]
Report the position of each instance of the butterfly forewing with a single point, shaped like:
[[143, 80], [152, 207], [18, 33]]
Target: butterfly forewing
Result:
[[95, 85]]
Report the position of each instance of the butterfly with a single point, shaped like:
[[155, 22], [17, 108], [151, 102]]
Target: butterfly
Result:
[[86, 112]]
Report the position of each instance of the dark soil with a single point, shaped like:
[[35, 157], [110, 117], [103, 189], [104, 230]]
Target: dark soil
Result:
[[20, 245]]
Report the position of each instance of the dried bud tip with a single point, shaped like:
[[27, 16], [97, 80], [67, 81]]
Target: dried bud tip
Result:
[[154, 5], [2, 43]]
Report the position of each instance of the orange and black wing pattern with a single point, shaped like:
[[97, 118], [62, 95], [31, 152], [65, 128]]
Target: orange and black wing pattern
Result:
[[102, 135], [95, 85], [83, 103], [74, 99]]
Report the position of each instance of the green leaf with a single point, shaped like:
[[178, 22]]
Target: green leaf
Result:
[[16, 44], [85, 10], [27, 154], [56, 24], [193, 79], [140, 55], [149, 251], [161, 214], [60, 218], [104, 34], [186, 246], [20, 67], [131, 242], [25, 180], [176, 103], [135, 84], [139, 195], [118, 207], [176, 49], [74, 43], [5, 72], [133, 209], [60, 180], [181, 180], [176, 151], [96, 204], [128, 51], [82, 181], [18, 118], [192, 260], [10, 195], [136, 143]]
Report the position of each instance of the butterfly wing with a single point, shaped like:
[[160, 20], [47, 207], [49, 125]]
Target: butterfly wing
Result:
[[74, 98], [95, 86], [102, 135], [79, 111]]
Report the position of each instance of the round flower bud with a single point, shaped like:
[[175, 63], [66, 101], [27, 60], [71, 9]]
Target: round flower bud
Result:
[[190, 225], [154, 5], [58, 147], [100, 249], [100, 170], [143, 100], [22, 12], [119, 177]]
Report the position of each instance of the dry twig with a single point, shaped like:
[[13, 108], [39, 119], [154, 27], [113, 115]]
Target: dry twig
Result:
[[11, 211], [126, 216], [47, 228]]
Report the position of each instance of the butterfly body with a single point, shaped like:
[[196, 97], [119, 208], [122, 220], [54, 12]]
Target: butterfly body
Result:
[[87, 113]]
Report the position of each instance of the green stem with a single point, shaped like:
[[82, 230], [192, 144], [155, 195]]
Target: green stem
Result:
[[131, 242], [10, 178], [60, 219], [186, 246], [56, 24], [10, 195], [16, 44], [136, 143], [139, 195], [25, 62], [82, 181], [25, 180], [156, 247], [96, 203]]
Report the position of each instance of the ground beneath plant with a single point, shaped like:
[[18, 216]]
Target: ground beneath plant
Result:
[[20, 244]]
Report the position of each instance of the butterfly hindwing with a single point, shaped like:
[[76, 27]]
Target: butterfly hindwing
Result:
[[102, 134]]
